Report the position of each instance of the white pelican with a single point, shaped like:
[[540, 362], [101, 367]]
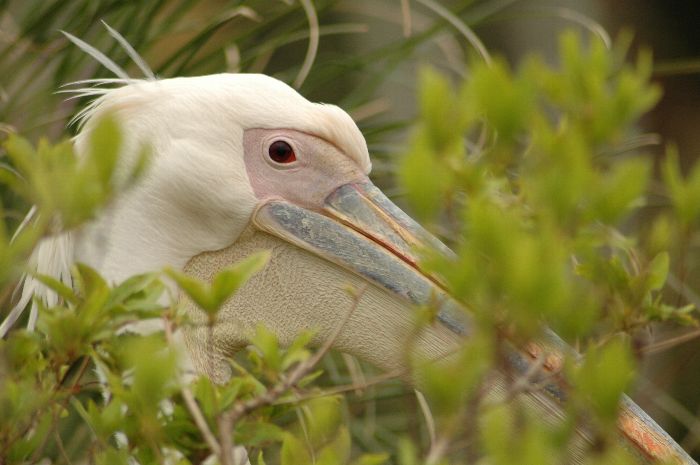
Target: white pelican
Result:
[[242, 162]]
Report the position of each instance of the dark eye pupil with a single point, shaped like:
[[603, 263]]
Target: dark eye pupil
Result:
[[281, 152]]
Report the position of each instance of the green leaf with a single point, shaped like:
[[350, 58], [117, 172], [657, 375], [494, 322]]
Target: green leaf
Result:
[[439, 103], [297, 351], [407, 452], [425, 193], [112, 456], [506, 101], [104, 145], [210, 297], [658, 271], [604, 375], [132, 286], [294, 452], [624, 185], [258, 433], [89, 280], [323, 419], [154, 368], [448, 384], [227, 281], [206, 396], [64, 292], [195, 289], [685, 194], [336, 451], [267, 342], [371, 459]]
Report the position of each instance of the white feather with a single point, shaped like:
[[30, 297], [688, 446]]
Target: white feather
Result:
[[52, 257], [133, 54], [98, 56]]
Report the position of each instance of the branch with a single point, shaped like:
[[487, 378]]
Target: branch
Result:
[[191, 404], [229, 418]]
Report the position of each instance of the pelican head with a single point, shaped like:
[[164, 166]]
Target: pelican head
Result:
[[241, 163]]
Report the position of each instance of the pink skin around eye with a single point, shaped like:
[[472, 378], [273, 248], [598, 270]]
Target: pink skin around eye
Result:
[[319, 167]]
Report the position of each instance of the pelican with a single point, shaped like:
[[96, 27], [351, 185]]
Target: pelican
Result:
[[242, 163]]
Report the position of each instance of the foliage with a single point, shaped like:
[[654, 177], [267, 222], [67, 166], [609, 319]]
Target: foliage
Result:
[[547, 211], [541, 215]]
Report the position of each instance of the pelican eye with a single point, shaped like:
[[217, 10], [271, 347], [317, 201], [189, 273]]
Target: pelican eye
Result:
[[281, 152]]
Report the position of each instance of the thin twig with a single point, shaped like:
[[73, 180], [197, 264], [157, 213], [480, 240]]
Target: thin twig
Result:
[[356, 374], [225, 432], [525, 381], [229, 418], [61, 447], [64, 404], [199, 420], [353, 387], [191, 404], [397, 373], [670, 343], [303, 368]]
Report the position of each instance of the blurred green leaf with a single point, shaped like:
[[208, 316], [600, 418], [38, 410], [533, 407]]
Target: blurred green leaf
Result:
[[210, 297], [371, 459], [337, 450], [658, 271], [293, 451], [603, 377]]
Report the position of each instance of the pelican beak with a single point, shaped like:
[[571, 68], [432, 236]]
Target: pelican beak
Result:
[[358, 228]]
